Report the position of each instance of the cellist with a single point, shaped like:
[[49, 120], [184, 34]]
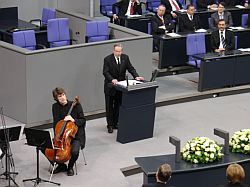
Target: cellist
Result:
[[60, 109]]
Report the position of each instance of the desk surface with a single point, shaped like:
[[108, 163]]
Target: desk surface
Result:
[[150, 164], [17, 24]]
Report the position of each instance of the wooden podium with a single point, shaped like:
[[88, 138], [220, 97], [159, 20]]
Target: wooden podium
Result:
[[137, 112]]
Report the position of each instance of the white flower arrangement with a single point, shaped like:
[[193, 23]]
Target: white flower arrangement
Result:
[[240, 141], [201, 150]]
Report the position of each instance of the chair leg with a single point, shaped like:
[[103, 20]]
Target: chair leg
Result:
[[84, 158], [52, 171]]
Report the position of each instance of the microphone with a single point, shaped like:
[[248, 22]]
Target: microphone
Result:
[[127, 79]]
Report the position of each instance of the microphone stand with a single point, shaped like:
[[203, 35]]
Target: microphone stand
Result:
[[9, 162]]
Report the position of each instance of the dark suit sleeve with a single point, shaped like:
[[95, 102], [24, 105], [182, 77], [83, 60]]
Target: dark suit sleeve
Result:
[[213, 41], [230, 41], [155, 26], [131, 68], [137, 8], [80, 120], [167, 5], [106, 70], [169, 23], [116, 5]]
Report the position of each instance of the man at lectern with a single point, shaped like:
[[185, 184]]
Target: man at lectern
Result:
[[114, 70]]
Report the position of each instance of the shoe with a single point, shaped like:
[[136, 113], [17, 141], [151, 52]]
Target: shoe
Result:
[[60, 168], [110, 129], [70, 172]]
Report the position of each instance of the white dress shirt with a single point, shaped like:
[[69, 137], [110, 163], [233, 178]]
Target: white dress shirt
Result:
[[117, 60], [128, 10], [221, 16]]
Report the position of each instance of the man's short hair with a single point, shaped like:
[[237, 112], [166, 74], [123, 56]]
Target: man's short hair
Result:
[[220, 20], [235, 173], [190, 5], [222, 4], [164, 172], [161, 5], [57, 91], [118, 45]]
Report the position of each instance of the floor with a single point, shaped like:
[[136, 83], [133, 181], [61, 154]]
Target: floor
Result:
[[105, 156]]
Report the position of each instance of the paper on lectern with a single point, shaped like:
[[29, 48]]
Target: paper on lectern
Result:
[[130, 82]]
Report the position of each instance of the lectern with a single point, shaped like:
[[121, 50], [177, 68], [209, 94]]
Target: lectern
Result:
[[137, 111]]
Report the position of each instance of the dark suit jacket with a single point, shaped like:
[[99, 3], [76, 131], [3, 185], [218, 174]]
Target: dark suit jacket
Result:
[[123, 7], [227, 17], [156, 185], [229, 39], [232, 3], [202, 4], [111, 71], [168, 6], [156, 23], [186, 25]]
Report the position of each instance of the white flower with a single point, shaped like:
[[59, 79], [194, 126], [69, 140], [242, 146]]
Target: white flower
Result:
[[212, 155], [198, 153], [196, 161], [193, 144], [212, 149], [206, 143], [247, 148], [187, 146]]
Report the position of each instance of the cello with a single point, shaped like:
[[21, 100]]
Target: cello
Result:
[[64, 132]]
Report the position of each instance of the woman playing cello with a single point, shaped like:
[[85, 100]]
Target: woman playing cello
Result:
[[61, 112]]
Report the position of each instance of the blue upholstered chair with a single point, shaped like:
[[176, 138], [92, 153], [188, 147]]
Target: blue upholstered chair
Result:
[[195, 44], [152, 5], [26, 39], [58, 32], [235, 42], [96, 31], [47, 14], [106, 7], [244, 19]]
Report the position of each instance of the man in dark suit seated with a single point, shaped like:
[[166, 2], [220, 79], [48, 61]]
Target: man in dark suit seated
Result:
[[189, 22], [171, 7], [206, 4], [233, 3], [125, 8], [114, 70], [163, 175], [161, 23], [222, 39], [221, 14]]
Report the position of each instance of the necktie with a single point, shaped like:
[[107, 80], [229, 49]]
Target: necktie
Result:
[[223, 40], [191, 17], [175, 5], [118, 63], [162, 20], [132, 9]]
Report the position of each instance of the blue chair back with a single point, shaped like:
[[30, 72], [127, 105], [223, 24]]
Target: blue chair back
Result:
[[152, 5], [97, 31], [149, 28], [244, 19], [235, 42], [58, 32], [25, 39], [195, 44], [106, 7], [47, 14], [194, 3]]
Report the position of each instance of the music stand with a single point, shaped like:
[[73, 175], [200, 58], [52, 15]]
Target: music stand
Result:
[[13, 134], [41, 140]]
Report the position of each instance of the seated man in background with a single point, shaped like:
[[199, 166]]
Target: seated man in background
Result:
[[161, 23], [222, 39], [163, 175], [171, 6], [233, 3], [235, 176], [206, 4], [125, 8], [221, 14], [189, 22]]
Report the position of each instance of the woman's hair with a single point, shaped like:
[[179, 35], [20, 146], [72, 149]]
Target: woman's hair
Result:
[[164, 173], [235, 173], [57, 91]]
